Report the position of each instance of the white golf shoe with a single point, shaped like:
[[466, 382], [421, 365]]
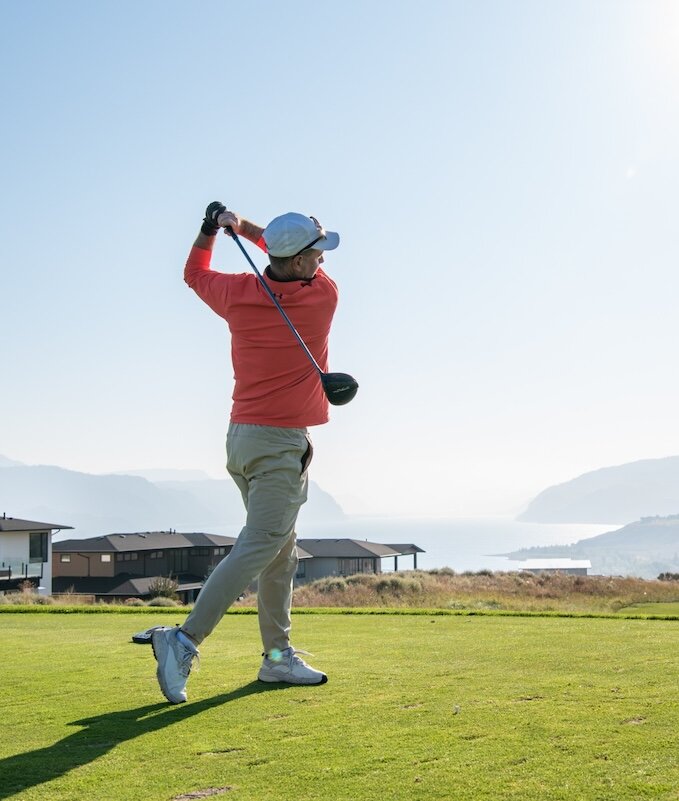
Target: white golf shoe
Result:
[[174, 663], [286, 666]]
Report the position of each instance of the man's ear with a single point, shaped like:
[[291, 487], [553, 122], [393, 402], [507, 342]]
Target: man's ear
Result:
[[297, 267]]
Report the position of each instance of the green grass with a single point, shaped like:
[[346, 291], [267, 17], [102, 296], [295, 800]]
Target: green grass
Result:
[[417, 707], [652, 609]]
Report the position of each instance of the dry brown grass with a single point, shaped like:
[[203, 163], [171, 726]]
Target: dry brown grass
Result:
[[444, 589]]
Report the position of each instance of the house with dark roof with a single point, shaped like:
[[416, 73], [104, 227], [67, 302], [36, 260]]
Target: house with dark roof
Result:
[[26, 553], [121, 566], [345, 557]]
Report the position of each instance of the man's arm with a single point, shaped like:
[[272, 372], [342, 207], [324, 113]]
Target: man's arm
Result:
[[228, 219], [242, 227], [213, 287]]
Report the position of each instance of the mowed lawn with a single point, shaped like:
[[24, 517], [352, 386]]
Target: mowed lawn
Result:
[[653, 609], [416, 707]]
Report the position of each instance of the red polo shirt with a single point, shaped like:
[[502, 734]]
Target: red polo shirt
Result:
[[276, 384]]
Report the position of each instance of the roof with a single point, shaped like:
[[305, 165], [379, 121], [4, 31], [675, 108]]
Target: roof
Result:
[[404, 549], [553, 564], [123, 584], [16, 524], [346, 549], [301, 553], [142, 541]]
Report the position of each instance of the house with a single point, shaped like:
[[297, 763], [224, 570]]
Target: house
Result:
[[568, 567], [26, 553], [405, 549], [121, 566], [344, 557]]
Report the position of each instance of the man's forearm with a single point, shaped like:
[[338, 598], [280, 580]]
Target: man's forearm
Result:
[[248, 230], [253, 233], [204, 241]]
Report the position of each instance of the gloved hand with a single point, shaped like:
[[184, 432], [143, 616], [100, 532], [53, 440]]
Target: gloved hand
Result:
[[210, 225]]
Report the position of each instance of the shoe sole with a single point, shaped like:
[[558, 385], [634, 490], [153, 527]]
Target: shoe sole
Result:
[[145, 637], [278, 680], [160, 650]]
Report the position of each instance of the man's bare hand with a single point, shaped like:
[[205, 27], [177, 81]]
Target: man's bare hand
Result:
[[229, 219]]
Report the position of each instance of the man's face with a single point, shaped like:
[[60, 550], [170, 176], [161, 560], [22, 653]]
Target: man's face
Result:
[[307, 263]]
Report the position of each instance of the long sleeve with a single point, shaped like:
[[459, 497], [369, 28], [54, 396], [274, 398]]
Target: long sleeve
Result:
[[210, 286]]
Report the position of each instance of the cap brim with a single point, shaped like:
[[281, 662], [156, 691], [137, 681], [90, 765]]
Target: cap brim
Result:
[[330, 242]]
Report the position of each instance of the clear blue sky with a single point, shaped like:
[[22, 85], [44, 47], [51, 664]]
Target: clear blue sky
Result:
[[504, 177]]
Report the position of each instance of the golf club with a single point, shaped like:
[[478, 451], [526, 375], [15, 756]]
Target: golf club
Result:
[[339, 388]]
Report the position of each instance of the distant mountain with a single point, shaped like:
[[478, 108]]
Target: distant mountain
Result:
[[165, 474], [612, 494], [104, 504], [221, 497], [5, 462], [646, 548]]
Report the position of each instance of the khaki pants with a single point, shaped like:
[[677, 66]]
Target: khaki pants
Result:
[[269, 465]]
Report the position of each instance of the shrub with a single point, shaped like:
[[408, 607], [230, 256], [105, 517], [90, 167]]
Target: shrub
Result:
[[134, 602], [43, 600], [362, 579], [332, 584], [164, 587], [668, 577], [161, 600], [398, 584]]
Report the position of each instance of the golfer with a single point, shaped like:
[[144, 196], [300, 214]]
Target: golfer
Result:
[[277, 395]]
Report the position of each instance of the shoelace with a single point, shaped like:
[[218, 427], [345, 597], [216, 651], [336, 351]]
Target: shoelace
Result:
[[185, 663], [295, 658]]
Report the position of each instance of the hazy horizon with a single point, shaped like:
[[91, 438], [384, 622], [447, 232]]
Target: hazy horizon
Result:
[[503, 177]]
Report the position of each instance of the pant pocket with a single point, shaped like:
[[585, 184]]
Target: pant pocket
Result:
[[308, 456]]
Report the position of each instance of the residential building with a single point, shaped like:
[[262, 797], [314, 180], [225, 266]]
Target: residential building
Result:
[[120, 566], [344, 557], [26, 553], [569, 567]]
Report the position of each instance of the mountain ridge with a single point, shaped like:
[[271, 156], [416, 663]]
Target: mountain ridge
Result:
[[617, 494], [644, 548], [97, 504]]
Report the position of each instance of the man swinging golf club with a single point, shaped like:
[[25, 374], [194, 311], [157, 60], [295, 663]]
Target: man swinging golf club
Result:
[[278, 393]]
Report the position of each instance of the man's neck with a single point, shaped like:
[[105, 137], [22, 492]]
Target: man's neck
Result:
[[276, 276]]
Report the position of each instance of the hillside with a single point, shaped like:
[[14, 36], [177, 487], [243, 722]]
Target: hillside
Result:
[[611, 495], [645, 548], [102, 504]]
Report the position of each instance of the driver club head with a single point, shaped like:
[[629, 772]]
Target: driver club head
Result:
[[339, 388]]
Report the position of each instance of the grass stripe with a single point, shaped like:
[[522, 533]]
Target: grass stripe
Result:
[[334, 610]]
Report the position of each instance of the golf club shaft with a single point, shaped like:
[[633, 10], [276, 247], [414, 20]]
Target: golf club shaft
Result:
[[273, 298]]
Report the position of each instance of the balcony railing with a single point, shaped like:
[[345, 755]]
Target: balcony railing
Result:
[[15, 569]]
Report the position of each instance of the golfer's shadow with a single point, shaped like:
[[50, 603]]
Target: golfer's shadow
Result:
[[101, 734]]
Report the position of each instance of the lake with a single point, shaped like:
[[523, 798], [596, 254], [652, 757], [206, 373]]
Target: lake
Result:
[[461, 544]]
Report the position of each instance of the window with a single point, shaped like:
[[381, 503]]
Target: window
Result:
[[155, 554], [180, 560], [301, 570], [347, 567], [106, 557], [126, 557], [37, 547], [65, 557], [219, 551]]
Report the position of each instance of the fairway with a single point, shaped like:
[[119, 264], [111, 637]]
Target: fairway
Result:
[[416, 707]]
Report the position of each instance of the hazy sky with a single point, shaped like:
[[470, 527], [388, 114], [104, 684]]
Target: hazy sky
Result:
[[505, 179]]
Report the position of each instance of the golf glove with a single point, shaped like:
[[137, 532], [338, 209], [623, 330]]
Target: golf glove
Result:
[[210, 225]]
